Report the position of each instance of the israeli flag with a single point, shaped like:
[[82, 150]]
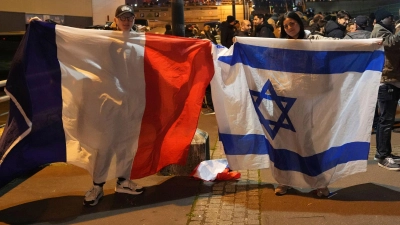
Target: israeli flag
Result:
[[302, 108]]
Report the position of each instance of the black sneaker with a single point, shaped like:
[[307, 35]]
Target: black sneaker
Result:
[[389, 164], [394, 157]]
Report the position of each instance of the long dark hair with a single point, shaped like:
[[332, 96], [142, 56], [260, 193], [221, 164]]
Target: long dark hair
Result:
[[294, 16]]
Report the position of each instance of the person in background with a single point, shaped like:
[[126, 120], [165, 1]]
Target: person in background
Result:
[[272, 22], [236, 25], [318, 27], [315, 20], [337, 28], [262, 28], [351, 27], [227, 30], [361, 23], [245, 27], [206, 34], [389, 90], [189, 30], [124, 19], [397, 26], [168, 29]]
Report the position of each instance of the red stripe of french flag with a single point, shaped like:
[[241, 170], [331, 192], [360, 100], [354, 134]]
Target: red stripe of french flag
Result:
[[173, 100]]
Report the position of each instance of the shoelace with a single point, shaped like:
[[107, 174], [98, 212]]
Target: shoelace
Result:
[[94, 191], [390, 160]]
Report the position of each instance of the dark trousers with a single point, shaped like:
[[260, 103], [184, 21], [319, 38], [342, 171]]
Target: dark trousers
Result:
[[209, 101], [388, 97]]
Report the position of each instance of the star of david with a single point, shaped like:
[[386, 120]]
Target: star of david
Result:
[[268, 92]]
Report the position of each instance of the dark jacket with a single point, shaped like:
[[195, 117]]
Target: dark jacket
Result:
[[241, 34], [358, 34], [391, 43], [264, 30], [208, 35], [334, 29], [227, 34]]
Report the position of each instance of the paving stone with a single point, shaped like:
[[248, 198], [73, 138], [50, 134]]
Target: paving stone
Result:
[[218, 188], [216, 197], [239, 215], [229, 195], [197, 218], [219, 184], [241, 188], [211, 223], [239, 209], [226, 212], [201, 207], [230, 190], [253, 206], [212, 216], [238, 220], [240, 200], [225, 223], [228, 198], [253, 216], [201, 203], [252, 211], [215, 201], [226, 217], [253, 222], [214, 206], [195, 223], [252, 201], [198, 212], [228, 203], [241, 194], [218, 192], [228, 207]]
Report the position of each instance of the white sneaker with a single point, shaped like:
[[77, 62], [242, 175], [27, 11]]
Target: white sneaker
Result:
[[128, 187], [93, 196]]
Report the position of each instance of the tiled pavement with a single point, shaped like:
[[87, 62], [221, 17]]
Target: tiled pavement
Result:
[[228, 202], [235, 202]]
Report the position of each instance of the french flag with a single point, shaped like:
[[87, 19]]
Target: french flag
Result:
[[302, 108], [76, 92]]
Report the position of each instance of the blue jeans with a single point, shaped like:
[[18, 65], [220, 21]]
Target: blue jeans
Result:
[[388, 97]]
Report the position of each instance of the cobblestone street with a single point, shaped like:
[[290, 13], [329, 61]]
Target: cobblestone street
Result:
[[228, 202]]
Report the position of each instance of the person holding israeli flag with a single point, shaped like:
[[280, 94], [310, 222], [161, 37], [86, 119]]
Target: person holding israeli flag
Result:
[[389, 90]]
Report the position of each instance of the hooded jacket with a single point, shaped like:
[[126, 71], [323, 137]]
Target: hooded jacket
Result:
[[391, 43], [334, 29], [358, 34], [264, 30]]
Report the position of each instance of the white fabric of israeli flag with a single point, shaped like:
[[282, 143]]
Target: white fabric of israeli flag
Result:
[[302, 108]]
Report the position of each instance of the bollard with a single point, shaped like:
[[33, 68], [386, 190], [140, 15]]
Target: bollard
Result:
[[198, 152]]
